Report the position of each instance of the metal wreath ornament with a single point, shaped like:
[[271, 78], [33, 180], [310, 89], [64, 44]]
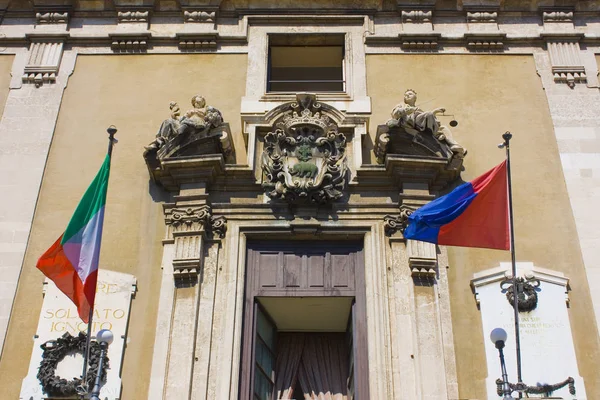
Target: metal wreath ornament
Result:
[[55, 351]]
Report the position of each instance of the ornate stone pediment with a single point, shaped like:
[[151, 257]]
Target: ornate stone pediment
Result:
[[304, 156], [414, 132], [199, 136]]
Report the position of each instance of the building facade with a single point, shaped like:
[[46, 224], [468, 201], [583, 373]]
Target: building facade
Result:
[[261, 225]]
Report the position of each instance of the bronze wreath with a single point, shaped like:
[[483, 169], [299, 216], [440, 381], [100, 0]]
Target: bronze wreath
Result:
[[527, 298], [55, 351]]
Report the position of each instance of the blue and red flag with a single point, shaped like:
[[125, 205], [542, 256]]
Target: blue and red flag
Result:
[[475, 214]]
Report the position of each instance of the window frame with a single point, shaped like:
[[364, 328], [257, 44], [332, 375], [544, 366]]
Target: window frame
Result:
[[272, 44]]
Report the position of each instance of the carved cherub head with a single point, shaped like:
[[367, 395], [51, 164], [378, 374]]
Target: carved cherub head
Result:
[[410, 97], [198, 101]]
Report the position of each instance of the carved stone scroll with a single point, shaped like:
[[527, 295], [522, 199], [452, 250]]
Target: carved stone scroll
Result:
[[304, 157], [395, 223]]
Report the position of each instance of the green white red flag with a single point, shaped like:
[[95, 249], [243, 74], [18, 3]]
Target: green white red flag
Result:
[[72, 261]]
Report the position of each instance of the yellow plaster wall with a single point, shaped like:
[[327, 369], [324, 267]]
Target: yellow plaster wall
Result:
[[490, 94], [133, 93], [6, 62]]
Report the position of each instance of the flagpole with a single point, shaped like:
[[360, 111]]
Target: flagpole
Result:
[[112, 130], [507, 136]]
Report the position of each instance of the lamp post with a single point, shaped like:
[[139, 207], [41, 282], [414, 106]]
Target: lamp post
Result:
[[104, 337], [498, 337]]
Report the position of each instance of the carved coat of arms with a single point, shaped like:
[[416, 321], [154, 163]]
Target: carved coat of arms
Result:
[[304, 157]]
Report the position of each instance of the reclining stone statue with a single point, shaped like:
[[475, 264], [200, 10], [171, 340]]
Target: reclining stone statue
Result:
[[199, 120], [416, 121]]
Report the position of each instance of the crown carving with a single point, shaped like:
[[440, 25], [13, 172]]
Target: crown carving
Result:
[[306, 113]]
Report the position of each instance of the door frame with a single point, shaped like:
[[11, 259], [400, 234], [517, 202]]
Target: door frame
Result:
[[358, 310]]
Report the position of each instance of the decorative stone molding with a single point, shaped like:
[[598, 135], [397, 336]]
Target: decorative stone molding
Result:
[[565, 59], [419, 42], [133, 16], [196, 42], [188, 230], [199, 16], [188, 219], [485, 42], [422, 259], [189, 226], [52, 18], [218, 226], [395, 223], [44, 61], [304, 156], [424, 45], [129, 43], [417, 16], [485, 45], [482, 16], [557, 16]]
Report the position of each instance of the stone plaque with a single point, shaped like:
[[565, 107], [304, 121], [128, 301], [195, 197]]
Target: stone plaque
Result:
[[547, 350], [59, 315]]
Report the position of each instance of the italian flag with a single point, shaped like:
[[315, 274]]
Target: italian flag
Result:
[[72, 261]]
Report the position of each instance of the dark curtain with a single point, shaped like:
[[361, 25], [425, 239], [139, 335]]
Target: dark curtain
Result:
[[318, 361]]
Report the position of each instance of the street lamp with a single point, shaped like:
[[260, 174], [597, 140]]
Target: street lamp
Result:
[[104, 337], [498, 337]]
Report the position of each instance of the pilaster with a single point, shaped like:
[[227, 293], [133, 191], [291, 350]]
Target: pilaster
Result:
[[574, 112], [26, 130], [419, 307], [186, 289], [186, 220]]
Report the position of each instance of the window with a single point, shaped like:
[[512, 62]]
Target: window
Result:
[[306, 63], [264, 356]]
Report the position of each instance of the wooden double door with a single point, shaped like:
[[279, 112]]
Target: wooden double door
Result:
[[305, 333]]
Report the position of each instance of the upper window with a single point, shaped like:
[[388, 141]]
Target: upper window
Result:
[[306, 63]]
